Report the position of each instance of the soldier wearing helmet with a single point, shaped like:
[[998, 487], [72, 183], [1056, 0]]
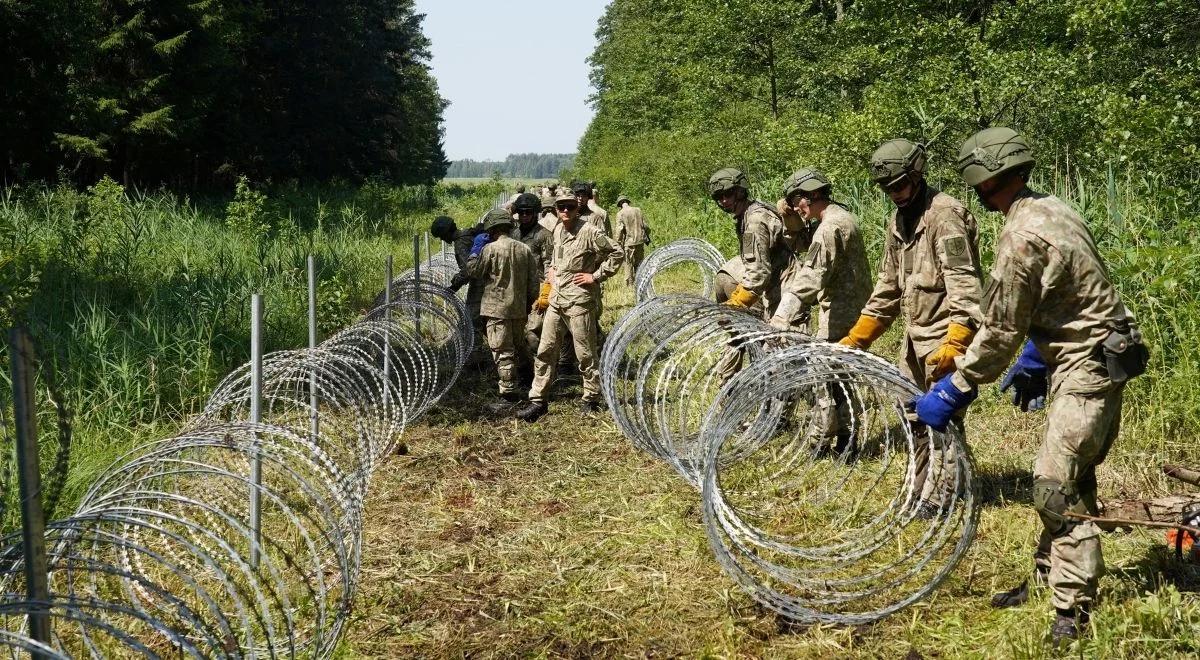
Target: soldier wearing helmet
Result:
[[537, 239], [549, 216], [929, 272], [835, 275], [632, 235], [761, 247], [590, 212], [583, 257], [509, 274], [1048, 284]]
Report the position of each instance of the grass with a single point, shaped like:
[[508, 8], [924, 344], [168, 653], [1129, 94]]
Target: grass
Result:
[[491, 538]]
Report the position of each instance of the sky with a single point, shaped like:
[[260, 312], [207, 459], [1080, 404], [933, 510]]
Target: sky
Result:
[[486, 53]]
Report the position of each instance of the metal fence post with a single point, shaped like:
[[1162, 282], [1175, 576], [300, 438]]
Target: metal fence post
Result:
[[313, 399], [256, 312], [29, 472]]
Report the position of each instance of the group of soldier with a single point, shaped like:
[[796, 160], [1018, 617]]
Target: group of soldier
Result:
[[1049, 298], [535, 268]]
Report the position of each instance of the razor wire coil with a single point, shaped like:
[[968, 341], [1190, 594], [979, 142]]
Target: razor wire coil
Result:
[[700, 254], [822, 498], [161, 556]]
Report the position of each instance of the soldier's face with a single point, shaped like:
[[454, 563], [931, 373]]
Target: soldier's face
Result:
[[727, 200], [581, 199], [902, 192], [567, 212], [986, 192], [802, 206], [526, 216]]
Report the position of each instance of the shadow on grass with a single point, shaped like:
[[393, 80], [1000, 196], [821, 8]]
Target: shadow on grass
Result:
[[1160, 567], [1008, 486]]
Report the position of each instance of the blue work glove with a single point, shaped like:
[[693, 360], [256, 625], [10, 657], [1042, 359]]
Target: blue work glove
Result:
[[481, 240], [936, 407], [1028, 380]]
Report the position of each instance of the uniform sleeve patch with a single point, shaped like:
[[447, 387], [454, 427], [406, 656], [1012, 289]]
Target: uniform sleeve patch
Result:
[[955, 251]]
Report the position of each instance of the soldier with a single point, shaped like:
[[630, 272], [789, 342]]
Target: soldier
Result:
[[835, 275], [549, 217], [1049, 284], [835, 272], [583, 258], [443, 227], [632, 235], [930, 270], [509, 274], [764, 255], [589, 212], [537, 239]]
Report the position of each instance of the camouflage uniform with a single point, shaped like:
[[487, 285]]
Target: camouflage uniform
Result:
[[507, 271], [463, 239], [592, 214], [764, 254], [538, 240], [583, 249], [1049, 282], [631, 235], [834, 273], [931, 272]]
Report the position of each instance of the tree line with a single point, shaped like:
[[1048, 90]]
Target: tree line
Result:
[[685, 86], [189, 93], [533, 166]]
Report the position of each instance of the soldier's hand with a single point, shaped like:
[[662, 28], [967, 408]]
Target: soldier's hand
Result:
[[584, 279]]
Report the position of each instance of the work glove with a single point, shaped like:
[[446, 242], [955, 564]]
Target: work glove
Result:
[[935, 407], [480, 241], [958, 337], [864, 333], [1028, 379], [543, 300], [741, 298]]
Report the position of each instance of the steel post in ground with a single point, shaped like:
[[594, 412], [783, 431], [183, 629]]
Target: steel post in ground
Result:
[[314, 414], [428, 254], [387, 317], [256, 313], [29, 473], [417, 289]]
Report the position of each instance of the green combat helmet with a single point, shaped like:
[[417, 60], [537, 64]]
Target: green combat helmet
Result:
[[990, 152], [622, 198], [497, 219], [727, 179], [527, 202], [895, 159], [442, 228], [806, 180]]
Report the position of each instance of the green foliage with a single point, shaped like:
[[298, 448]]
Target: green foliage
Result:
[[184, 92], [244, 215]]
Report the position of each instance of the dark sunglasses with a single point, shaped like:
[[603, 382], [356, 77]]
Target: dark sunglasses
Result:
[[566, 207]]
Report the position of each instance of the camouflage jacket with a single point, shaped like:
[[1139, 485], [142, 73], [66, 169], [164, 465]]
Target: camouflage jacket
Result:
[[834, 272], [538, 240], [765, 254], [584, 249], [631, 226], [1048, 282], [593, 215], [507, 271], [932, 272], [463, 239]]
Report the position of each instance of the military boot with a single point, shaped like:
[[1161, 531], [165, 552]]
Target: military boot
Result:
[[1068, 626], [533, 412]]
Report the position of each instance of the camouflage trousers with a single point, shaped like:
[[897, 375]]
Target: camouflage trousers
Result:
[[1080, 430], [633, 258], [503, 337], [582, 324], [934, 482]]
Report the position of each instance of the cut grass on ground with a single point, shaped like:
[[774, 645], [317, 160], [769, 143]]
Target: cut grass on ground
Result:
[[494, 538]]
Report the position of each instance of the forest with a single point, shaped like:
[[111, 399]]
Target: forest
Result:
[[532, 166], [193, 94]]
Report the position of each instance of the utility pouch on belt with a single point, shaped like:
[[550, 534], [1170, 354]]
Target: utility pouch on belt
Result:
[[1125, 355]]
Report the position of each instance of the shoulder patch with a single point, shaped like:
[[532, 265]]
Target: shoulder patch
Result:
[[955, 251]]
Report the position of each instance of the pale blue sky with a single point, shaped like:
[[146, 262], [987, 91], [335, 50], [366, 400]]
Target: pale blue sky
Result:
[[485, 50]]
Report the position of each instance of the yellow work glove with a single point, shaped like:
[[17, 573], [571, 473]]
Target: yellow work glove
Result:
[[958, 337], [543, 301], [864, 333], [741, 298]]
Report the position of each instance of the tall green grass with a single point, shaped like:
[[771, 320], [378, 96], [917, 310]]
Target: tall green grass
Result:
[[141, 299]]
